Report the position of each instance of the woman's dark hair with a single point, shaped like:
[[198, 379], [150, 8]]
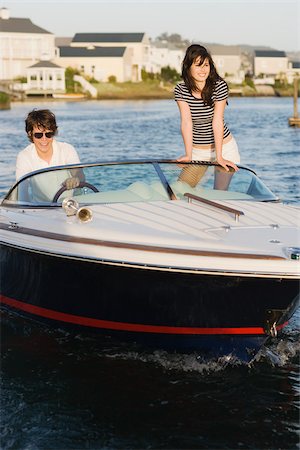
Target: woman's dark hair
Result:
[[192, 53], [41, 118]]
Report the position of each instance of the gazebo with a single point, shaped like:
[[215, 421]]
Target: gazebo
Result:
[[45, 77]]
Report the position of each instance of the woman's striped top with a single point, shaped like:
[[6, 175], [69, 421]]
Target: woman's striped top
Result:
[[202, 115]]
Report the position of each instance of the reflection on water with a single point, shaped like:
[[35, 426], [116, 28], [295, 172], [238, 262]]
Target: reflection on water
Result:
[[64, 390]]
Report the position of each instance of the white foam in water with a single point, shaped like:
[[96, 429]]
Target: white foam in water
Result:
[[279, 353]]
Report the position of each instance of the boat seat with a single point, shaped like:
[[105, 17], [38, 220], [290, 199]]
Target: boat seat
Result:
[[135, 192], [181, 187], [148, 192], [140, 191]]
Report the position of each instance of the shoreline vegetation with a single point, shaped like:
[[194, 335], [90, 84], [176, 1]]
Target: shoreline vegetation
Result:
[[158, 90], [4, 100], [161, 86], [155, 89], [151, 90]]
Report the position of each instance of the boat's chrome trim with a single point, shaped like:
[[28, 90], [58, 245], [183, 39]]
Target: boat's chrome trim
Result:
[[133, 246], [237, 213]]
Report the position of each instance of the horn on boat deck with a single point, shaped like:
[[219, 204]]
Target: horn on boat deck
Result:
[[71, 208]]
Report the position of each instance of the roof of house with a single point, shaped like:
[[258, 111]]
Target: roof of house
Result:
[[63, 41], [85, 52], [45, 64], [269, 53], [224, 49], [20, 25], [108, 37]]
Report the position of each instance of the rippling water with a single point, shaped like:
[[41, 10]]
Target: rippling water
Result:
[[66, 391]]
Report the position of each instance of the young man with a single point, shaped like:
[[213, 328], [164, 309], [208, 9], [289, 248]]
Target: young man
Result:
[[45, 151]]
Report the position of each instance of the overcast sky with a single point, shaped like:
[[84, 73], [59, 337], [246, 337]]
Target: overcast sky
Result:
[[271, 23]]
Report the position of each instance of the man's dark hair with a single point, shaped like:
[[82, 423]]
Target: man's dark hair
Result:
[[44, 119]]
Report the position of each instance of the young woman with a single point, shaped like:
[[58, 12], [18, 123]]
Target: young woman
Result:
[[201, 98]]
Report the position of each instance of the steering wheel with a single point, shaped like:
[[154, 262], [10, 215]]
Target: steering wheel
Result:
[[81, 185]]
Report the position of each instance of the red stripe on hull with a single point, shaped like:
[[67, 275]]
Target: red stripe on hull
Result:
[[107, 324]]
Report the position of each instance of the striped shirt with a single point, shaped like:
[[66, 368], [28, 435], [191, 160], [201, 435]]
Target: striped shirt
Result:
[[202, 115]]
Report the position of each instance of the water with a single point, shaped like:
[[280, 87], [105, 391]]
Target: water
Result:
[[63, 390]]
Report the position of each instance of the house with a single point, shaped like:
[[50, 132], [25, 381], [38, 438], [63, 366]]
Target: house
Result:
[[228, 62], [270, 63], [137, 44], [98, 62], [22, 44], [162, 54], [293, 71]]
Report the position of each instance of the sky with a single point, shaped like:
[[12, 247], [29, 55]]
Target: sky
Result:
[[270, 23]]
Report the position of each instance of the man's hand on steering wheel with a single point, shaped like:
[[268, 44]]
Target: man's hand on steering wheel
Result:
[[71, 183], [81, 184]]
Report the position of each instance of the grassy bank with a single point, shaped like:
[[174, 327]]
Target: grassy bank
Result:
[[134, 91], [155, 90], [158, 90], [4, 101]]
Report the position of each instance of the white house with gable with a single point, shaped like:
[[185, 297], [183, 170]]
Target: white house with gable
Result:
[[98, 62], [228, 62], [270, 63], [136, 46], [162, 55], [22, 44]]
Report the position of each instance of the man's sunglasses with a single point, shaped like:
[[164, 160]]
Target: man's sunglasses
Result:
[[48, 135]]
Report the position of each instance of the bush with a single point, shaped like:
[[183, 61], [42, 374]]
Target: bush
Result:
[[4, 98], [21, 79], [249, 82], [71, 85], [148, 75], [112, 79], [170, 75]]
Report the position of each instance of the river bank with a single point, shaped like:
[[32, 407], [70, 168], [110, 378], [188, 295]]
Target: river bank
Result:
[[155, 90]]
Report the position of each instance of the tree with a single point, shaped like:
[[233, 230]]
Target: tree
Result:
[[170, 75], [174, 39], [71, 85]]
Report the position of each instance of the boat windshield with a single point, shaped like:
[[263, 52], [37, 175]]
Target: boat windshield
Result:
[[134, 181]]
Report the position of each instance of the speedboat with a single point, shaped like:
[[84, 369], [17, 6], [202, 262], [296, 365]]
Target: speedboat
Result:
[[168, 255]]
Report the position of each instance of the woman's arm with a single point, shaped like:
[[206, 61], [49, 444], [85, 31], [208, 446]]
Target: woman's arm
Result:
[[186, 130], [218, 129]]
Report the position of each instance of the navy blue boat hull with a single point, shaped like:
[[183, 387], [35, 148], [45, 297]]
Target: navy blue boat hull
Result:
[[215, 315]]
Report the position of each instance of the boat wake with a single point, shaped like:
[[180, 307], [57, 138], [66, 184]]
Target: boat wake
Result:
[[181, 362], [275, 354], [278, 352]]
